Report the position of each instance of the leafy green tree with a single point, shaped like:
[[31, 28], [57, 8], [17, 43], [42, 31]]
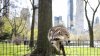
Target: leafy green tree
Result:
[[15, 26], [5, 30]]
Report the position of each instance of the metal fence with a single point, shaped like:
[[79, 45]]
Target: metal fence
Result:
[[82, 48], [13, 49], [74, 48]]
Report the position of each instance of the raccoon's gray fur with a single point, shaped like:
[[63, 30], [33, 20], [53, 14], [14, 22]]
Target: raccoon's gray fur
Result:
[[57, 35]]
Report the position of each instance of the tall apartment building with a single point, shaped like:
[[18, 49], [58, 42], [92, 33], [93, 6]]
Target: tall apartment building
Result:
[[97, 20], [75, 17], [57, 20], [79, 19], [70, 15]]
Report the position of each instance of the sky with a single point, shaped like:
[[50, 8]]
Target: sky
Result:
[[59, 8], [17, 6]]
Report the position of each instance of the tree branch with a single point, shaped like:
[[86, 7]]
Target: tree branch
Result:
[[31, 3], [90, 6], [85, 1], [95, 12], [6, 5], [99, 1], [23, 27], [19, 25], [86, 11], [9, 22]]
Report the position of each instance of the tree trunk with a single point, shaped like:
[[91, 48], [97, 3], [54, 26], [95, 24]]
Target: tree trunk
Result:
[[32, 31], [91, 36], [32, 28], [44, 24]]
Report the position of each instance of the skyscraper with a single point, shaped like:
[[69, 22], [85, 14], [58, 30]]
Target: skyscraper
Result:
[[70, 14], [57, 20], [97, 20], [79, 20]]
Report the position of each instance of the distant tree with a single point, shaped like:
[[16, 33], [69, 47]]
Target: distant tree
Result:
[[15, 26], [4, 36], [90, 24], [1, 23], [5, 5], [2, 11]]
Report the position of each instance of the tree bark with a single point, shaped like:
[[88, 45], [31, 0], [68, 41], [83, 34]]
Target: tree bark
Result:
[[44, 24], [32, 28], [91, 36]]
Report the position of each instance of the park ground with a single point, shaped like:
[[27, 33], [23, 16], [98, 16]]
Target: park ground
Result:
[[7, 49]]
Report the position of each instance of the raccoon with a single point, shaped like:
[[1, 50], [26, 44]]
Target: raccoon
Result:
[[57, 35]]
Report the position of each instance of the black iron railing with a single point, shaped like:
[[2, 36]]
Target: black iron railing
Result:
[[74, 48]]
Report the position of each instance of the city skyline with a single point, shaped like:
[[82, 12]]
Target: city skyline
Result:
[[59, 8]]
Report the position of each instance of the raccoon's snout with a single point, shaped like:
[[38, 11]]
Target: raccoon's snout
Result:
[[68, 41], [52, 43]]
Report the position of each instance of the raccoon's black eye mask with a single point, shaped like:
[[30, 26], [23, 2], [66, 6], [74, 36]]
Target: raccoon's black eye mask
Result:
[[55, 39]]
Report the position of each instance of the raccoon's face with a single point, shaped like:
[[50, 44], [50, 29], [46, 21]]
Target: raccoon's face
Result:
[[55, 43], [59, 38], [58, 35]]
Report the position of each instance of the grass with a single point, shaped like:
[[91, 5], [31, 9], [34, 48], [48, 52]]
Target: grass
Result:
[[13, 50], [19, 50], [82, 51]]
